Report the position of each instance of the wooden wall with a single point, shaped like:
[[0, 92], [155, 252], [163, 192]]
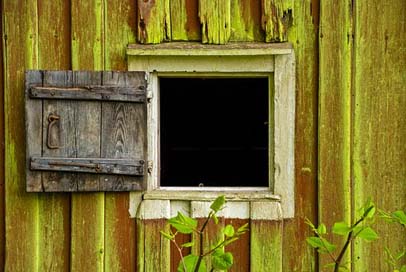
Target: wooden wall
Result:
[[350, 121]]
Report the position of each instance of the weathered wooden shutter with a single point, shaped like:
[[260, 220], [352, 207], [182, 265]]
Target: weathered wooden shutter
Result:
[[86, 131]]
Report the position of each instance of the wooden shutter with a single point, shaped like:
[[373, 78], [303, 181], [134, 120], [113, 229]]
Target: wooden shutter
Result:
[[85, 131]]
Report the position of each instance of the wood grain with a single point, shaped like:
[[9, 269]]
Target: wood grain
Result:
[[297, 255], [379, 124], [215, 19], [185, 25], [21, 208], [2, 147], [87, 211], [276, 19], [154, 25], [120, 230], [334, 116], [246, 21], [54, 51], [240, 248]]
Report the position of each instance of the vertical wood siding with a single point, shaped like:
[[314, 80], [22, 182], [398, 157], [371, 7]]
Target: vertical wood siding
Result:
[[297, 255], [2, 202], [350, 125], [334, 123], [379, 125]]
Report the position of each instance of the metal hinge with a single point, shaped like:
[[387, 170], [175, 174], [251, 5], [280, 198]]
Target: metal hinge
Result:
[[150, 166]]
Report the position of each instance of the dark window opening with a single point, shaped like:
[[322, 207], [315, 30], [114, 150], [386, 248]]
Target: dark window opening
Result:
[[214, 131]]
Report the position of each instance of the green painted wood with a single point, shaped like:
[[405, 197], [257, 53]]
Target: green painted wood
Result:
[[276, 19], [215, 18], [154, 25], [185, 25], [297, 255], [266, 245], [87, 210], [120, 230], [153, 248], [21, 208], [379, 123], [2, 148], [246, 21], [334, 133]]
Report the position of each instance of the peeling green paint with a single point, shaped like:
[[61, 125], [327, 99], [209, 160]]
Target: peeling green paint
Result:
[[215, 17], [277, 17]]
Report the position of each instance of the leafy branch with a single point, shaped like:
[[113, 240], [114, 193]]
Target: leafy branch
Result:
[[358, 229], [221, 260]]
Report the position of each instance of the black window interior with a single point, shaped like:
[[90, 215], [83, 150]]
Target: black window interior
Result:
[[214, 131]]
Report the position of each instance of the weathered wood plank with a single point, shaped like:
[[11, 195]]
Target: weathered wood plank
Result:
[[87, 218], [2, 147], [277, 17], [54, 53], [123, 130], [298, 256], [105, 93], [89, 165], [240, 248], [154, 24], [33, 124], [246, 21], [153, 248], [185, 25], [215, 19], [21, 208], [379, 123], [120, 230], [121, 27], [334, 116], [266, 231], [64, 133]]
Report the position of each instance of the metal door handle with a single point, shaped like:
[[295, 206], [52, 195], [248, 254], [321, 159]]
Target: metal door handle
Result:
[[52, 120]]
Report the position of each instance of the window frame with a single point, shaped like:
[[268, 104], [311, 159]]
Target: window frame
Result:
[[274, 61]]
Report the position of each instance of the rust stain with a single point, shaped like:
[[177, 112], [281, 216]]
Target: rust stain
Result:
[[193, 27], [315, 11]]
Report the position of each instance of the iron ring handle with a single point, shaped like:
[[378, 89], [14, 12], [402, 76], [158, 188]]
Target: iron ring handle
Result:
[[52, 120]]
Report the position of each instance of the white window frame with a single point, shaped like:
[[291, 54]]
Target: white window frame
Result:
[[275, 61]]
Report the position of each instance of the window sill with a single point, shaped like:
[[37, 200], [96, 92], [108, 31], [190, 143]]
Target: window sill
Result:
[[210, 193]]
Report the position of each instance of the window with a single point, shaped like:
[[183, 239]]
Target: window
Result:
[[214, 131], [220, 118]]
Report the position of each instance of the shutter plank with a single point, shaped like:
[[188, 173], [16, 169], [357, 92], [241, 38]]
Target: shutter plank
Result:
[[122, 133], [33, 124], [88, 128], [63, 134]]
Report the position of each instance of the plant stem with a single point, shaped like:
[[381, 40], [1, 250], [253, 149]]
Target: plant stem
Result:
[[180, 254], [201, 255], [347, 243]]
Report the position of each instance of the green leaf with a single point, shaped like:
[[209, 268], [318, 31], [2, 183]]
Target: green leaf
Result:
[[218, 203], [229, 231], [188, 244], [167, 235], [321, 229], [341, 228], [403, 268], [190, 262], [400, 217], [183, 223], [368, 234], [221, 260], [243, 229], [321, 244]]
